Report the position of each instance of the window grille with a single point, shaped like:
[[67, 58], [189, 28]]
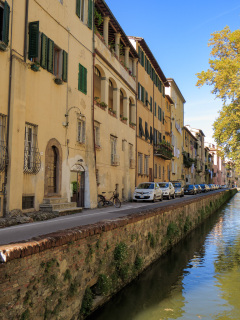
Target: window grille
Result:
[[3, 147], [32, 159], [140, 163], [115, 160], [146, 164], [27, 202]]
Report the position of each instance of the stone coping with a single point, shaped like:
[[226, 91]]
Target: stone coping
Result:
[[63, 237]]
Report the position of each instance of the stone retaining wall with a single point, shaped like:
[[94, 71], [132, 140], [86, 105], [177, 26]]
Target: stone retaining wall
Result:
[[66, 275]]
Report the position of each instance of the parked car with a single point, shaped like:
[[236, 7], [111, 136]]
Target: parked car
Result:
[[179, 189], [190, 189], [167, 190], [205, 187], [211, 187], [147, 191], [198, 187]]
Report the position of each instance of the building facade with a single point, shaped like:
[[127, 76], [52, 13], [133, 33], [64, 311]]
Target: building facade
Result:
[[177, 124], [189, 156]]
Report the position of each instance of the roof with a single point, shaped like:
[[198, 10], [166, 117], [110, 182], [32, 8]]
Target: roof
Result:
[[188, 131], [152, 59], [114, 26], [180, 93]]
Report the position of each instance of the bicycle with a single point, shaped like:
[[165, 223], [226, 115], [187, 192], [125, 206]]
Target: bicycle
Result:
[[114, 200]]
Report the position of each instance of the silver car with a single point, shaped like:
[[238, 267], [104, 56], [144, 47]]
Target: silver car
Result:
[[147, 191], [167, 189], [179, 189]]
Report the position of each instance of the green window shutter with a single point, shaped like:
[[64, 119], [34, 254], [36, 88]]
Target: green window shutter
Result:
[[33, 39], [90, 14], [155, 109], [65, 66], [139, 54], [5, 29], [163, 118], [50, 55], [151, 104], [160, 115], [160, 86], [146, 99], [78, 6], [142, 59], [143, 95], [82, 79], [44, 51], [163, 91]]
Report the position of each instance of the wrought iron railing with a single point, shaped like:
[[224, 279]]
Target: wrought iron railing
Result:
[[32, 160], [163, 151], [3, 156]]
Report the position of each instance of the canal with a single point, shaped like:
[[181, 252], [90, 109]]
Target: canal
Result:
[[198, 279]]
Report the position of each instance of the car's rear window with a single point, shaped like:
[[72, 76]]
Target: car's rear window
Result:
[[163, 185], [146, 186]]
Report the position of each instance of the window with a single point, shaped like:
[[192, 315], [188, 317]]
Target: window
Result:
[[141, 93], [114, 156], [81, 131], [146, 165], [80, 6], [155, 109], [82, 79], [155, 171], [146, 131], [146, 98], [151, 104], [27, 202], [3, 147], [97, 133], [163, 173], [4, 25], [44, 51], [159, 171], [140, 163], [32, 160], [141, 131], [131, 156]]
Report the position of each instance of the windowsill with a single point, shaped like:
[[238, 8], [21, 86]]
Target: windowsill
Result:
[[112, 113], [99, 105]]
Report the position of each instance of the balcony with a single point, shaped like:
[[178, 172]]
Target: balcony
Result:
[[187, 161], [164, 150]]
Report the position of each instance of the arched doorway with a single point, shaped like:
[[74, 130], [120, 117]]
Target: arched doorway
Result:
[[53, 169], [77, 181]]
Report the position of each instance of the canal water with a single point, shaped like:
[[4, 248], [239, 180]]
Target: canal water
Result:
[[198, 279]]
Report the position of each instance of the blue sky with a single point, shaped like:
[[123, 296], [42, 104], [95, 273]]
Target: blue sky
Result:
[[177, 32]]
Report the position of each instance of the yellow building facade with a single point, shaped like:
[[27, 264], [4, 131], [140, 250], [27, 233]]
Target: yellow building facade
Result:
[[177, 122], [189, 156], [115, 64], [153, 118], [46, 101]]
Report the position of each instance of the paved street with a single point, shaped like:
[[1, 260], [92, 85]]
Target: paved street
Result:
[[87, 216]]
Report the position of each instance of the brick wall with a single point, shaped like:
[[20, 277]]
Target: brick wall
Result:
[[67, 274]]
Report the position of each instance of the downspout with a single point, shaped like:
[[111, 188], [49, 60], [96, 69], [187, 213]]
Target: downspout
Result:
[[153, 132], [136, 98], [26, 29], [93, 115], [8, 122]]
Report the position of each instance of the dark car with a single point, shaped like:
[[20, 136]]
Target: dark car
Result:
[[205, 187], [190, 189], [179, 189]]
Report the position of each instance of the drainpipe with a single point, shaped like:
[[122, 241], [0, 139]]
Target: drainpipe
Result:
[[153, 131], [136, 98], [93, 115], [8, 122]]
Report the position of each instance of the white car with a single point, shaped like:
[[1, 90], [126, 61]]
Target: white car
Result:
[[167, 189], [147, 191]]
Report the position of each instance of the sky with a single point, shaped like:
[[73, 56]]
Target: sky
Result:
[[177, 33]]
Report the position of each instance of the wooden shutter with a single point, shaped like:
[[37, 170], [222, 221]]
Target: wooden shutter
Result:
[[163, 118], [44, 51], [90, 13], [33, 39], [143, 95], [78, 7], [85, 81], [146, 98], [139, 90], [160, 114], [50, 55], [65, 66], [82, 79], [5, 30]]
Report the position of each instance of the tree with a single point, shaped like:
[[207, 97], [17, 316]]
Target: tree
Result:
[[224, 76]]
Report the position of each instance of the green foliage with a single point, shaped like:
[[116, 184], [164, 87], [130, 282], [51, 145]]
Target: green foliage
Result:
[[152, 240], [138, 263], [72, 289], [224, 76], [187, 225], [25, 315], [120, 253], [104, 284], [89, 254], [172, 230], [87, 302]]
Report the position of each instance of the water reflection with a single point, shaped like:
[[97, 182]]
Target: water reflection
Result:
[[197, 279]]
